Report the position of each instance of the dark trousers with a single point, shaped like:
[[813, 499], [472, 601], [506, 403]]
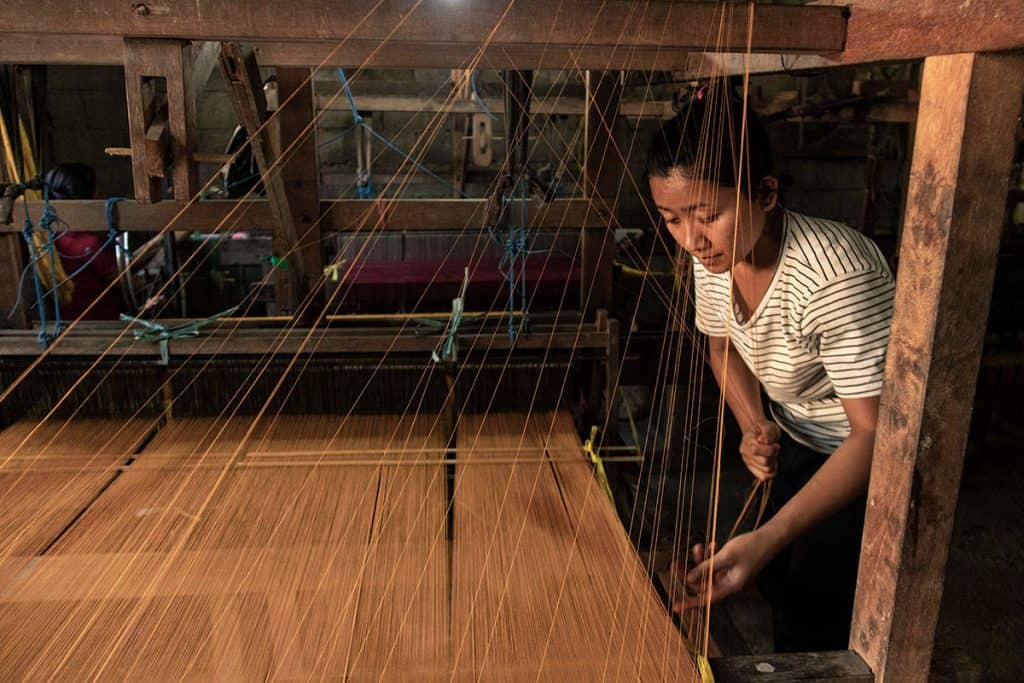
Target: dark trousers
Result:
[[810, 584]]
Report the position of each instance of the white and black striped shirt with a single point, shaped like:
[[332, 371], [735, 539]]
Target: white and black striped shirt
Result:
[[820, 332]]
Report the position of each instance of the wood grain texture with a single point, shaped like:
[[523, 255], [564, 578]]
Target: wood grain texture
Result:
[[168, 60], [340, 215], [242, 74], [92, 341], [301, 174], [528, 22], [952, 228], [603, 173], [30, 48]]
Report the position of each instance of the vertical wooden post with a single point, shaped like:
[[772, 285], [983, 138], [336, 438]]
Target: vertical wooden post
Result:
[[955, 208], [171, 61], [601, 175], [301, 174]]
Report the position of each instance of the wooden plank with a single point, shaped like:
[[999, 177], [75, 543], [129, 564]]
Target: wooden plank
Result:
[[167, 60], [301, 173], [879, 30], [527, 22], [238, 62], [446, 214], [207, 216], [910, 29], [449, 55], [839, 667], [339, 215], [952, 228], [248, 342], [556, 105], [33, 48], [602, 173]]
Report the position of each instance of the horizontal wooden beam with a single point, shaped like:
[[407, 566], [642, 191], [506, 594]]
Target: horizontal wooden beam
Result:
[[580, 24], [339, 215], [884, 30], [34, 48], [570, 106], [879, 30], [83, 341]]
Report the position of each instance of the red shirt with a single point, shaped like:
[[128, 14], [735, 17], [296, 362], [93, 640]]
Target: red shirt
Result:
[[75, 249]]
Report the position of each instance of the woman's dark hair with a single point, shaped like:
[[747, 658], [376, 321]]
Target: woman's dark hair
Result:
[[703, 141], [71, 181]]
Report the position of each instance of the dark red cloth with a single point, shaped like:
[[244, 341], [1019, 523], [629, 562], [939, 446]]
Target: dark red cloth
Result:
[[75, 249]]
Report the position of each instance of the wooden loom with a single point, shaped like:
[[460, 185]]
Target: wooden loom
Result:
[[960, 152]]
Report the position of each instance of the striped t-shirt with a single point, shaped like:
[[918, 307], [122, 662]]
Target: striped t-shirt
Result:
[[820, 332]]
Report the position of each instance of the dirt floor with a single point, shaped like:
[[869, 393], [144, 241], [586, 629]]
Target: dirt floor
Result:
[[982, 615]]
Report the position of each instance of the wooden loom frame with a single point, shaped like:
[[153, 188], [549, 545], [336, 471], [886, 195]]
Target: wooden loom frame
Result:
[[947, 255]]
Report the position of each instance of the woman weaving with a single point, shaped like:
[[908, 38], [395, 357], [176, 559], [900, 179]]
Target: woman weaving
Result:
[[799, 308]]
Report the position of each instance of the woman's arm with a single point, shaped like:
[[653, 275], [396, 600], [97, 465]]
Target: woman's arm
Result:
[[760, 445], [842, 478], [742, 390]]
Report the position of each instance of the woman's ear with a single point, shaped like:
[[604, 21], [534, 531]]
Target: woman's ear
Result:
[[768, 193]]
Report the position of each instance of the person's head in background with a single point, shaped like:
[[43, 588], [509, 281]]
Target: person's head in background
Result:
[[716, 208], [71, 181]]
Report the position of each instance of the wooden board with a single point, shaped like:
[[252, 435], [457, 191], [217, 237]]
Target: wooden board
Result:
[[85, 340], [28, 48], [528, 22], [340, 215]]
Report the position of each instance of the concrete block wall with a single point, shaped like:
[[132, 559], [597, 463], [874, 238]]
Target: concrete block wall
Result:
[[88, 113]]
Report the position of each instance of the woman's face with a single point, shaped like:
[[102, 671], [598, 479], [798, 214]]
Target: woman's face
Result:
[[706, 220]]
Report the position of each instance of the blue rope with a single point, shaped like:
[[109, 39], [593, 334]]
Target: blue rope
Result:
[[26, 233], [113, 233], [46, 223], [476, 97], [21, 286], [387, 143]]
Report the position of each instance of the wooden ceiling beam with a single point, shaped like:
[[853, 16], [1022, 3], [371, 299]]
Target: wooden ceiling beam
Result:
[[878, 30], [96, 50], [581, 24]]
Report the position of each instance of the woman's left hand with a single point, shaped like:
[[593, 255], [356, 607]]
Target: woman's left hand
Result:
[[735, 564]]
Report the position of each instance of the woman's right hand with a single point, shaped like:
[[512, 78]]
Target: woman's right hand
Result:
[[760, 449]]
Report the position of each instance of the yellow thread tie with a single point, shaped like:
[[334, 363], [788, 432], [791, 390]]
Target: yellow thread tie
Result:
[[331, 272], [591, 450], [704, 667]]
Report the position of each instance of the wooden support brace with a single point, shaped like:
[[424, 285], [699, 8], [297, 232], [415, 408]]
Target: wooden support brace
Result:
[[952, 228], [601, 176], [238, 63], [161, 117], [302, 173]]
